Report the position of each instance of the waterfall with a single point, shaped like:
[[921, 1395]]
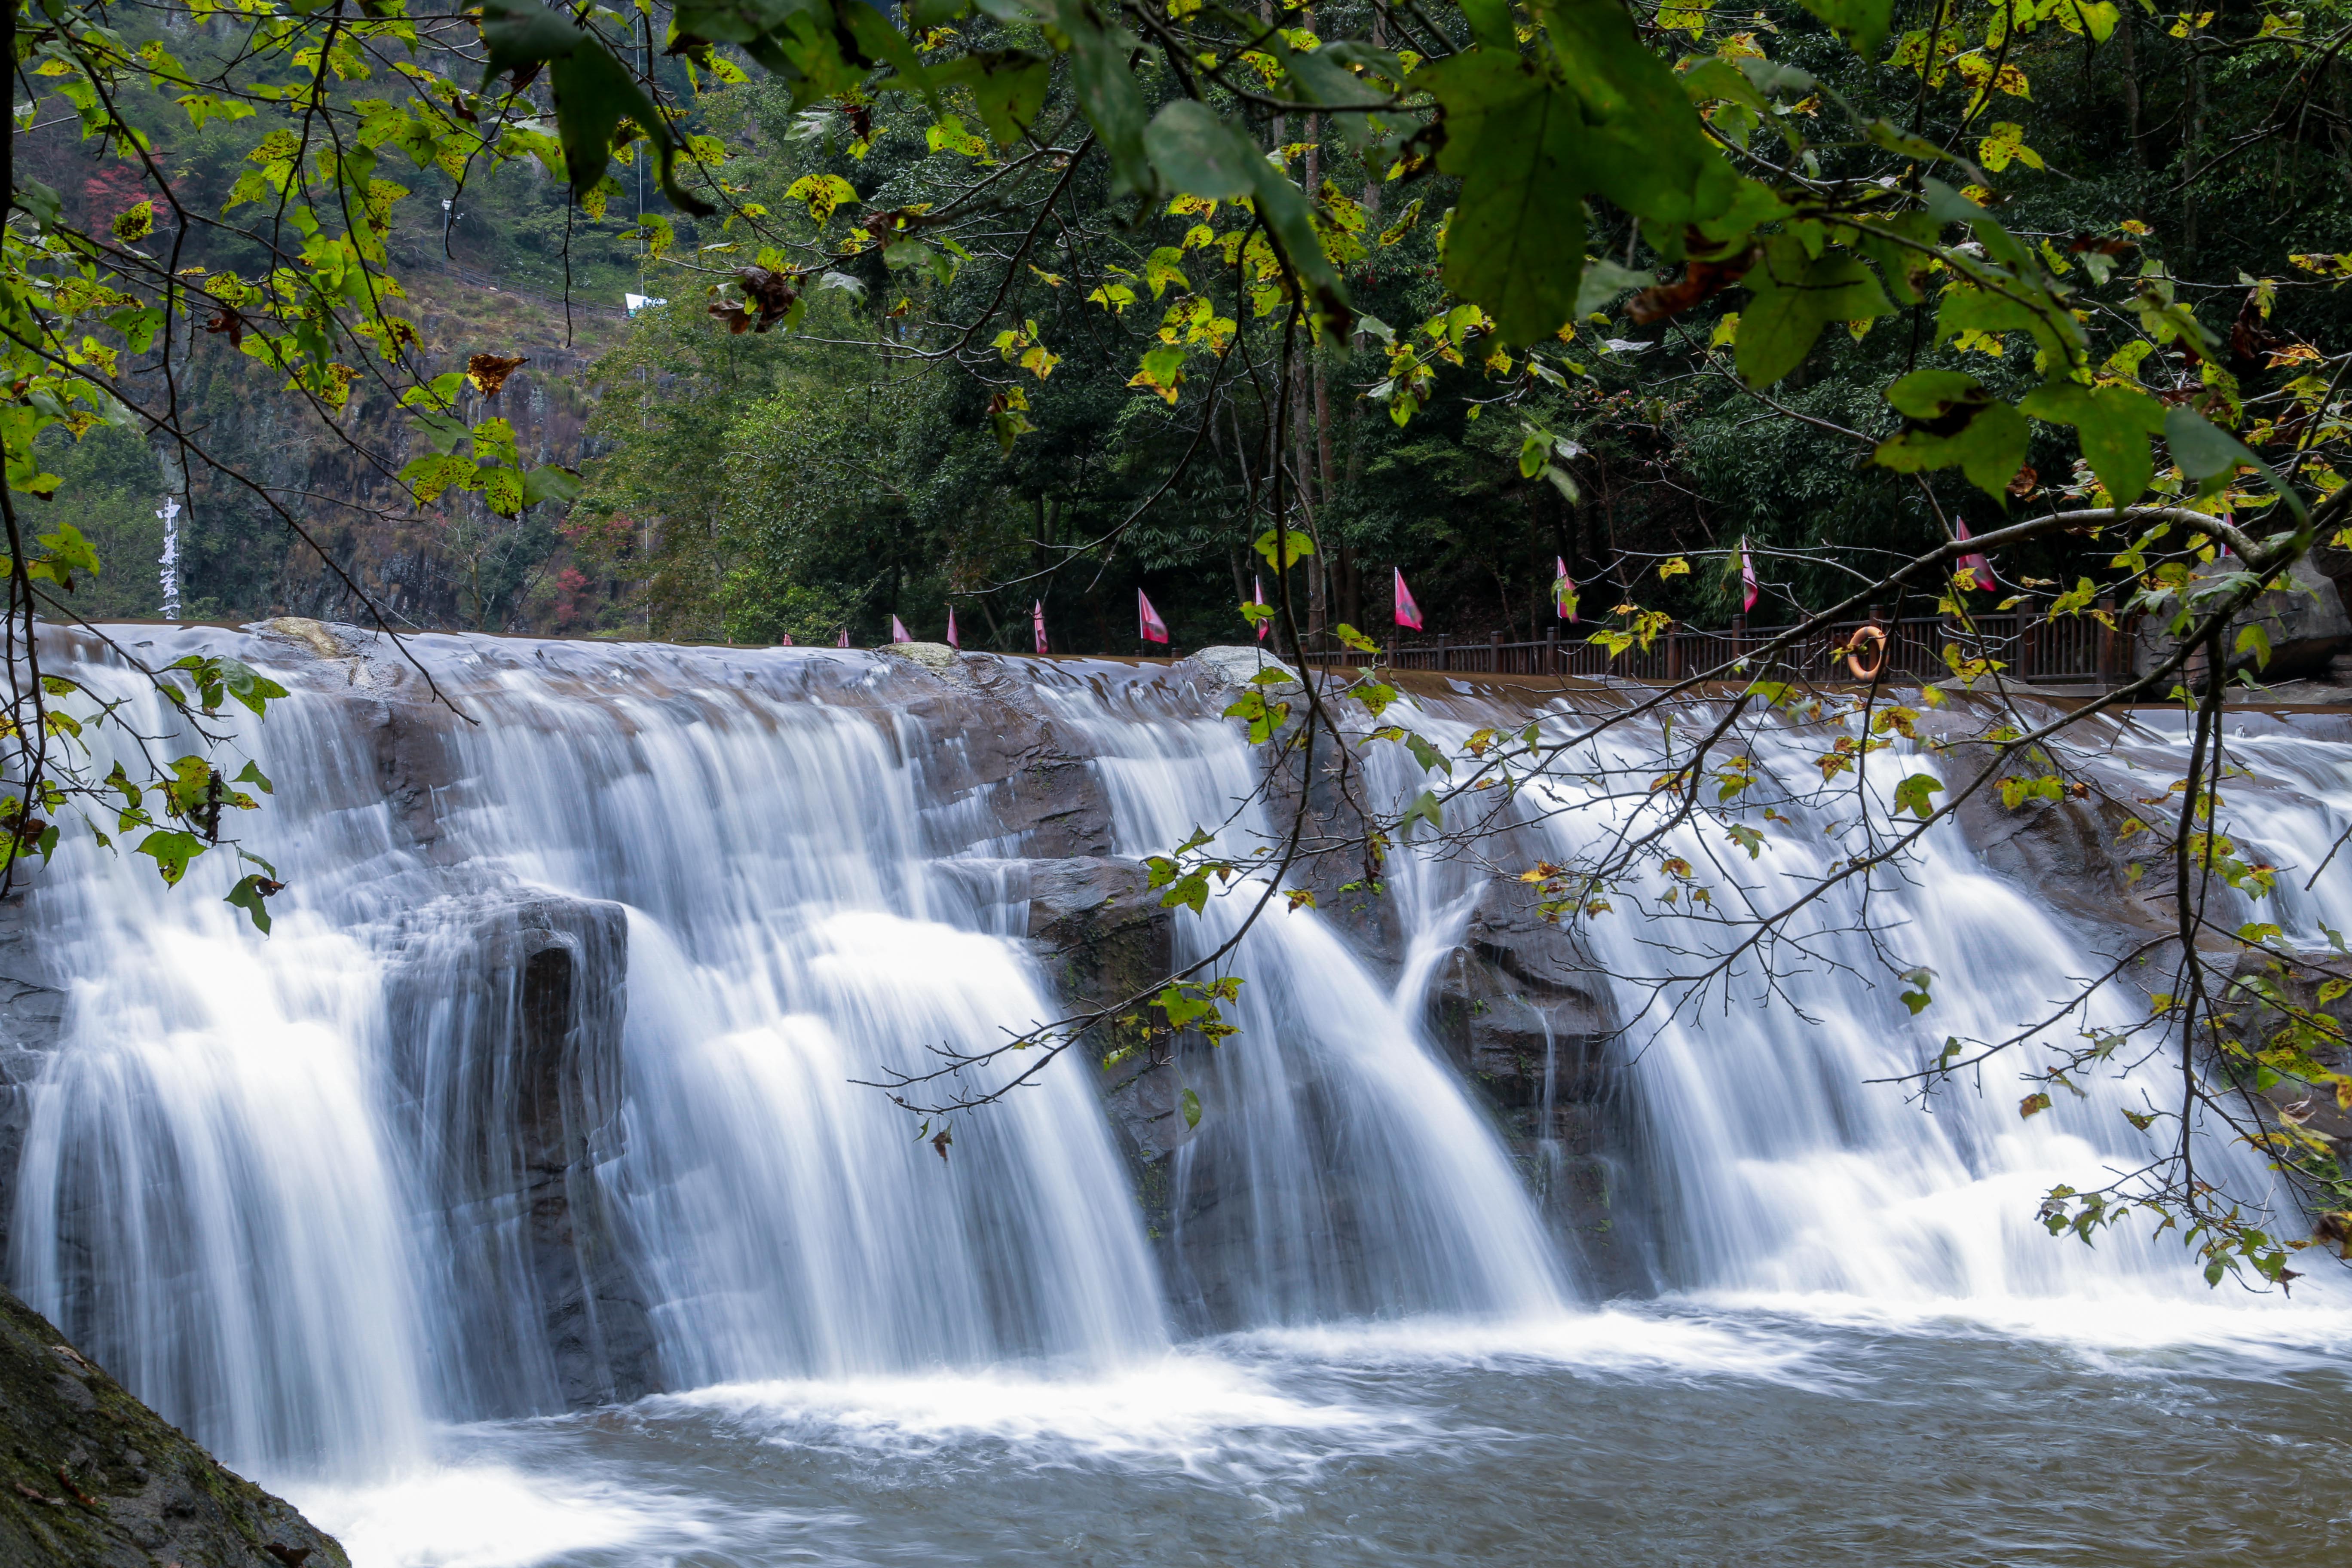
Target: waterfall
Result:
[[546, 1087], [552, 1084], [1778, 1155]]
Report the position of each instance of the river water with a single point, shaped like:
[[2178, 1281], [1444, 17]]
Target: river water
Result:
[[257, 1180], [1682, 1433]]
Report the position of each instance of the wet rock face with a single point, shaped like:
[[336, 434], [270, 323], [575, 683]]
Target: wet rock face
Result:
[[1527, 1018], [31, 1013], [92, 1478], [2298, 981], [511, 1042]]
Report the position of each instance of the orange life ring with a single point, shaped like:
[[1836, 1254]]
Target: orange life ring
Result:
[[1852, 652]]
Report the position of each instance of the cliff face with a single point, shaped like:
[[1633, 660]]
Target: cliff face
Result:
[[92, 1478]]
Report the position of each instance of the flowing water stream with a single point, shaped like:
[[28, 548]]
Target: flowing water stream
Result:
[[263, 1182]]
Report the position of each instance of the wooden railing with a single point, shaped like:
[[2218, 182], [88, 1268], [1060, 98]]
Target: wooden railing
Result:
[[2030, 643]]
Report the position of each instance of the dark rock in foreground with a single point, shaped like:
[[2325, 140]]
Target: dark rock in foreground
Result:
[[90, 1477]]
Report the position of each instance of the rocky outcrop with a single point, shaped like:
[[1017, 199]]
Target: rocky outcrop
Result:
[[510, 1037], [31, 1012], [1530, 1020], [2305, 623], [1101, 936], [92, 1478]]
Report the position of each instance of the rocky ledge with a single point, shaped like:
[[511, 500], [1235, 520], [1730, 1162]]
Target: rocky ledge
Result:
[[92, 1478]]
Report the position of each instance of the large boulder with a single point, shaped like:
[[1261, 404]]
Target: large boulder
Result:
[[92, 1478], [508, 1034]]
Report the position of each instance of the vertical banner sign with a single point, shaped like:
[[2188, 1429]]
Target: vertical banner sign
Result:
[[1974, 561], [1564, 591], [951, 632], [1151, 627], [898, 630], [1407, 614], [1257, 593], [1038, 623], [169, 560], [1746, 578]]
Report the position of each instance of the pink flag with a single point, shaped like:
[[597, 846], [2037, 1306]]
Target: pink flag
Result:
[[1746, 578], [1564, 591], [1154, 630], [1974, 561], [1407, 614], [1257, 593], [844, 638], [951, 636], [1038, 623], [898, 630], [783, 640]]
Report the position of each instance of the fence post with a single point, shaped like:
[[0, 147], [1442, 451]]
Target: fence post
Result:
[[2029, 641], [1494, 653], [1445, 657], [1551, 648], [1673, 650]]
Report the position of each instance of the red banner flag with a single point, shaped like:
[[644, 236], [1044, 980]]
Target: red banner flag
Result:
[[844, 638], [1746, 578], [1564, 591], [1407, 614], [1974, 561], [1257, 593], [1038, 623], [783, 640], [951, 636], [1153, 629], [898, 630]]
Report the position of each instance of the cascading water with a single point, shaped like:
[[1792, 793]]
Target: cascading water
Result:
[[543, 1092], [298, 1188], [1788, 1149], [1340, 1170]]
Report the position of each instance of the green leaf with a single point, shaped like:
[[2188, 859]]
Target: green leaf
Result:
[[1425, 808], [1861, 23], [173, 851], [1794, 296], [593, 93], [2252, 638], [1108, 92], [502, 490], [1427, 755], [2207, 453], [1490, 23], [1517, 139], [2114, 424], [1918, 999], [1650, 154], [1296, 547], [1912, 794], [552, 482], [248, 895], [1950, 420], [1191, 1103], [254, 689], [1200, 156]]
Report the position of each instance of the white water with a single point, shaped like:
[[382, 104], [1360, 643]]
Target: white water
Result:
[[243, 1186]]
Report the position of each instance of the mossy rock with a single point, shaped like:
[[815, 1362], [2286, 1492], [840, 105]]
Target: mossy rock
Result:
[[92, 1478]]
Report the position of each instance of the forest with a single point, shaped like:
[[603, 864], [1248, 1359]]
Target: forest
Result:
[[839, 472]]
